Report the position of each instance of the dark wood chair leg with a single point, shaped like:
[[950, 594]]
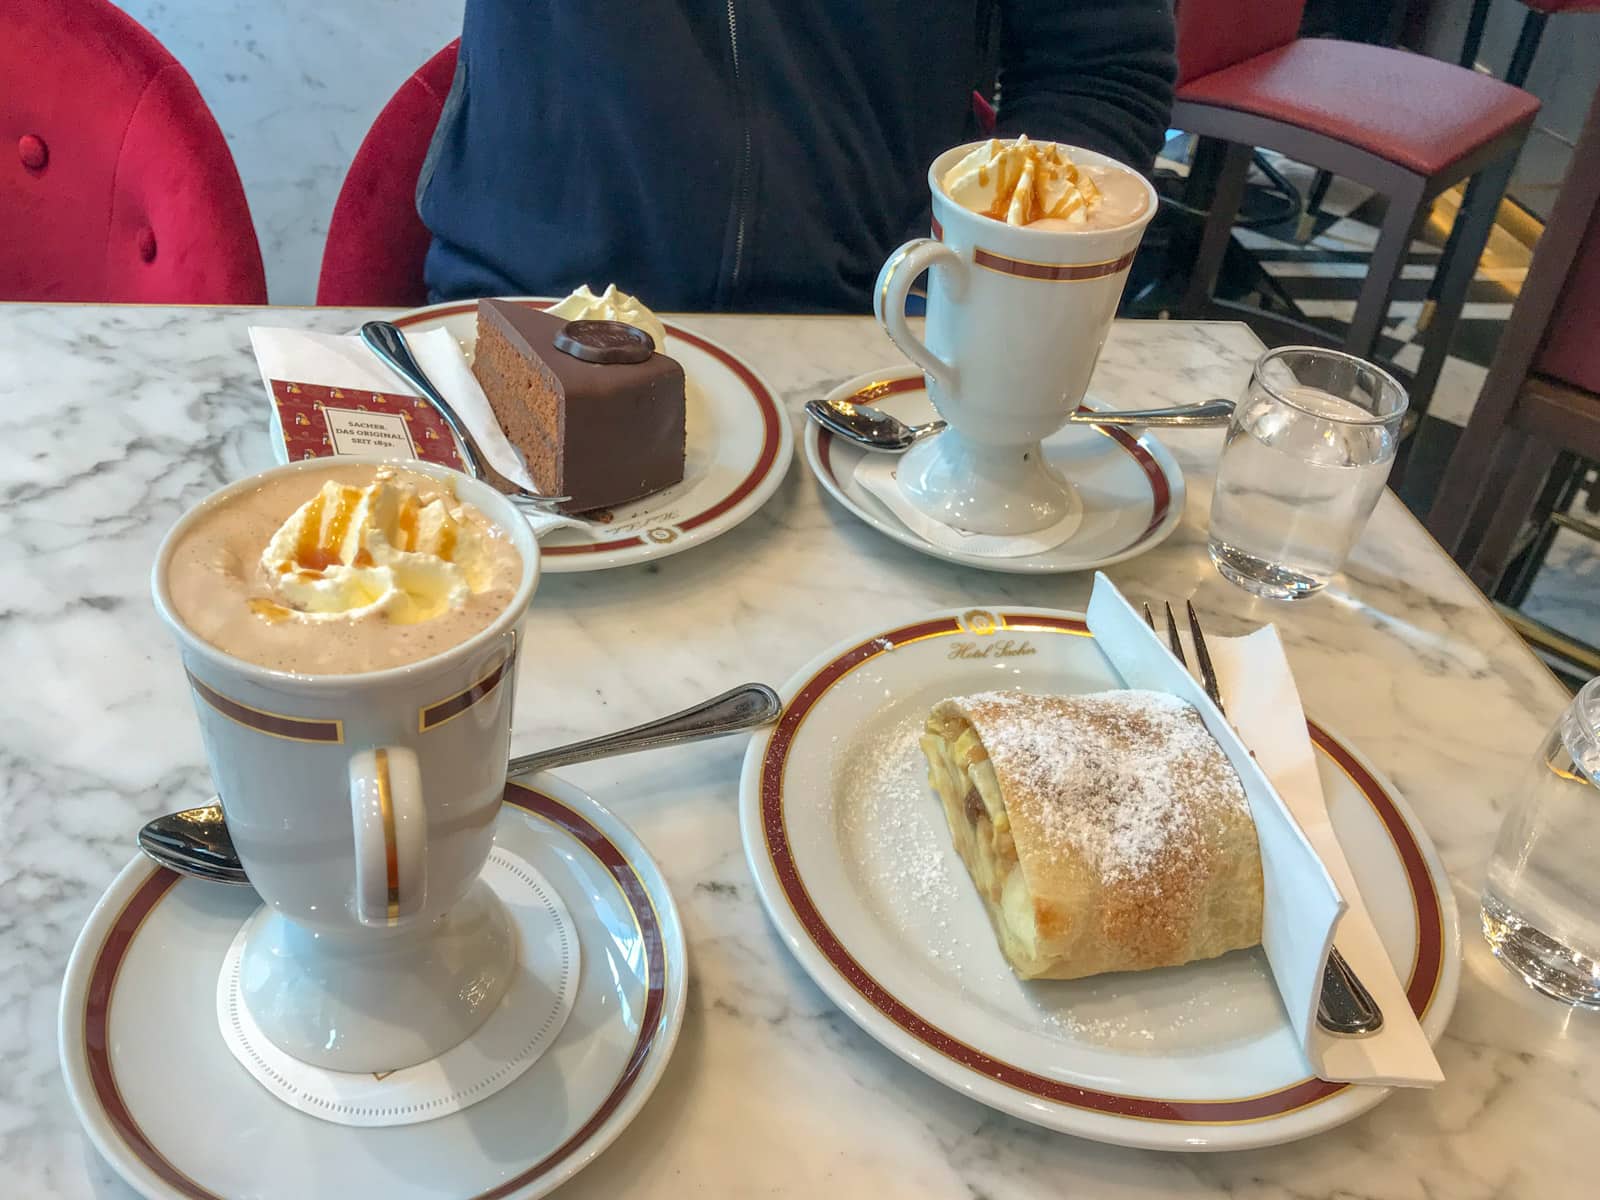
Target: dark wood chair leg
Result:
[[1527, 46], [1225, 199], [1557, 496], [1388, 256], [1474, 39], [1468, 238], [1511, 507], [1314, 199]]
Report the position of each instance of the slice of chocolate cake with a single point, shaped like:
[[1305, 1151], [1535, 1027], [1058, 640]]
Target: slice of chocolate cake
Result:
[[603, 432]]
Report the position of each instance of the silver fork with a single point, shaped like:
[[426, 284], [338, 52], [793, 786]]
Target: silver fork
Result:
[[1345, 1007]]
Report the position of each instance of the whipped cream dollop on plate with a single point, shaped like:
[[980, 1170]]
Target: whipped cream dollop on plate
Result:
[[612, 305], [360, 553], [1021, 182]]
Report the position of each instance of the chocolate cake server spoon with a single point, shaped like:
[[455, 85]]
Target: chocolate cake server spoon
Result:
[[196, 841], [385, 339]]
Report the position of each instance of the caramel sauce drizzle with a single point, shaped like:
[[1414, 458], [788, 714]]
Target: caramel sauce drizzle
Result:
[[408, 527], [269, 611]]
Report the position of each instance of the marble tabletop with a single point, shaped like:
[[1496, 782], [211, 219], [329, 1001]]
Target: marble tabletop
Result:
[[116, 419]]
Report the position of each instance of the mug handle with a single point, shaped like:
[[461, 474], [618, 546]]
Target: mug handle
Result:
[[889, 301], [391, 834]]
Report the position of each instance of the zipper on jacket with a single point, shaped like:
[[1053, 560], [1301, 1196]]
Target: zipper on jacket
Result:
[[741, 195]]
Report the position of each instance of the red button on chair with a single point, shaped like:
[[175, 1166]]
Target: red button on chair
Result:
[[377, 243], [1406, 126], [122, 188]]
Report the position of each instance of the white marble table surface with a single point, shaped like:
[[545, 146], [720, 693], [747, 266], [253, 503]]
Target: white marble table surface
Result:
[[115, 420]]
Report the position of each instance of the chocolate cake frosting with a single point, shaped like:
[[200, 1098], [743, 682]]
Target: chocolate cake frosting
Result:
[[603, 433]]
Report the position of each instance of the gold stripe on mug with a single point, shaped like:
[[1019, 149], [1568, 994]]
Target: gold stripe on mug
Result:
[[436, 715], [294, 729], [1051, 272], [391, 845]]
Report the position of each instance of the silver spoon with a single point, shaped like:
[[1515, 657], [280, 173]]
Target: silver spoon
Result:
[[196, 841], [385, 339], [875, 429]]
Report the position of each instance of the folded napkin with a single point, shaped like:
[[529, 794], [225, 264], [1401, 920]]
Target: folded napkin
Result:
[[1264, 706], [1309, 890], [333, 396], [876, 473]]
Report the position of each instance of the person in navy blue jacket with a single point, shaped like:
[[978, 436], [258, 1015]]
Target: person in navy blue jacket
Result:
[[755, 155]]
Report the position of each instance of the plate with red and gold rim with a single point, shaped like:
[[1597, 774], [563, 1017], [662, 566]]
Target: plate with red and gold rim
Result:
[[853, 861], [167, 1105], [1132, 488], [739, 446]]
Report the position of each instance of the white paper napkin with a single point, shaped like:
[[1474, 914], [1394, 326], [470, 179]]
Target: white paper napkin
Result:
[[1301, 903], [1266, 725], [344, 361], [1264, 706], [876, 473]]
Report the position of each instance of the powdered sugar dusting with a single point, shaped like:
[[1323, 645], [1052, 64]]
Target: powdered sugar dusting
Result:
[[1122, 778], [885, 801]]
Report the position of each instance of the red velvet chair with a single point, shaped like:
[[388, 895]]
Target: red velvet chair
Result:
[[376, 241], [116, 185], [1406, 126]]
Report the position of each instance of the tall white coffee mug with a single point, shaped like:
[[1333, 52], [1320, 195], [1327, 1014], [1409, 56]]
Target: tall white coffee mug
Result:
[[1016, 319], [363, 809]]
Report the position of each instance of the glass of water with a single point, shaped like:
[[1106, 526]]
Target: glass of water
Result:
[[1541, 904], [1305, 460]]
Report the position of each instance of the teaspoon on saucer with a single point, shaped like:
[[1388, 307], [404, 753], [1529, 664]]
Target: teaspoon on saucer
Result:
[[385, 339], [196, 841], [875, 429]]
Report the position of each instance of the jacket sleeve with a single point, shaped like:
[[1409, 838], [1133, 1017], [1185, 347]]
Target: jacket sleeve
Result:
[[1095, 73]]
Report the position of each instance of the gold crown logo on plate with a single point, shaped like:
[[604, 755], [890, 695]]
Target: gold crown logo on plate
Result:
[[980, 622]]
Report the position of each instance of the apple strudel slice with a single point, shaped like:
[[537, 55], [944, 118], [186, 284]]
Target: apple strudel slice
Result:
[[1105, 832]]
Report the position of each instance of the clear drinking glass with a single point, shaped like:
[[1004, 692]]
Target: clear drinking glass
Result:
[[1541, 904], [1305, 460]]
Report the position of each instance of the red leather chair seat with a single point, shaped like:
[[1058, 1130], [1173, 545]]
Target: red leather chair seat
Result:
[[1415, 111], [1556, 6]]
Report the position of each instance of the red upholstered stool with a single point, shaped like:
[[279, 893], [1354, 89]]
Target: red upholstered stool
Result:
[[115, 183], [376, 241], [1406, 126]]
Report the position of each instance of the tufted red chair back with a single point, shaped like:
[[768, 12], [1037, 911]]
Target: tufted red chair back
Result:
[[376, 241], [115, 183], [1213, 34]]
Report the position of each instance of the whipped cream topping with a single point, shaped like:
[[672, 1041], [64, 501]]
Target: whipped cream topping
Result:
[[612, 305], [381, 551], [1022, 182]]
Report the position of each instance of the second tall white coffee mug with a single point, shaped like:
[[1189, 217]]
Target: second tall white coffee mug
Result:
[[362, 807], [1016, 319]]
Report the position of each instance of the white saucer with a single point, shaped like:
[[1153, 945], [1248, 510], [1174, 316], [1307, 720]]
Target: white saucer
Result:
[[1132, 488], [167, 1105], [853, 860]]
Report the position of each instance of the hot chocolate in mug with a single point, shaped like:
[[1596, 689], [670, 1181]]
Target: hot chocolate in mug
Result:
[[1016, 318], [362, 807]]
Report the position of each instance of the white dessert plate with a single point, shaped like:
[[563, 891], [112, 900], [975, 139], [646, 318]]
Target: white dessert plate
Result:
[[1132, 488], [853, 861], [739, 446], [168, 1106]]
